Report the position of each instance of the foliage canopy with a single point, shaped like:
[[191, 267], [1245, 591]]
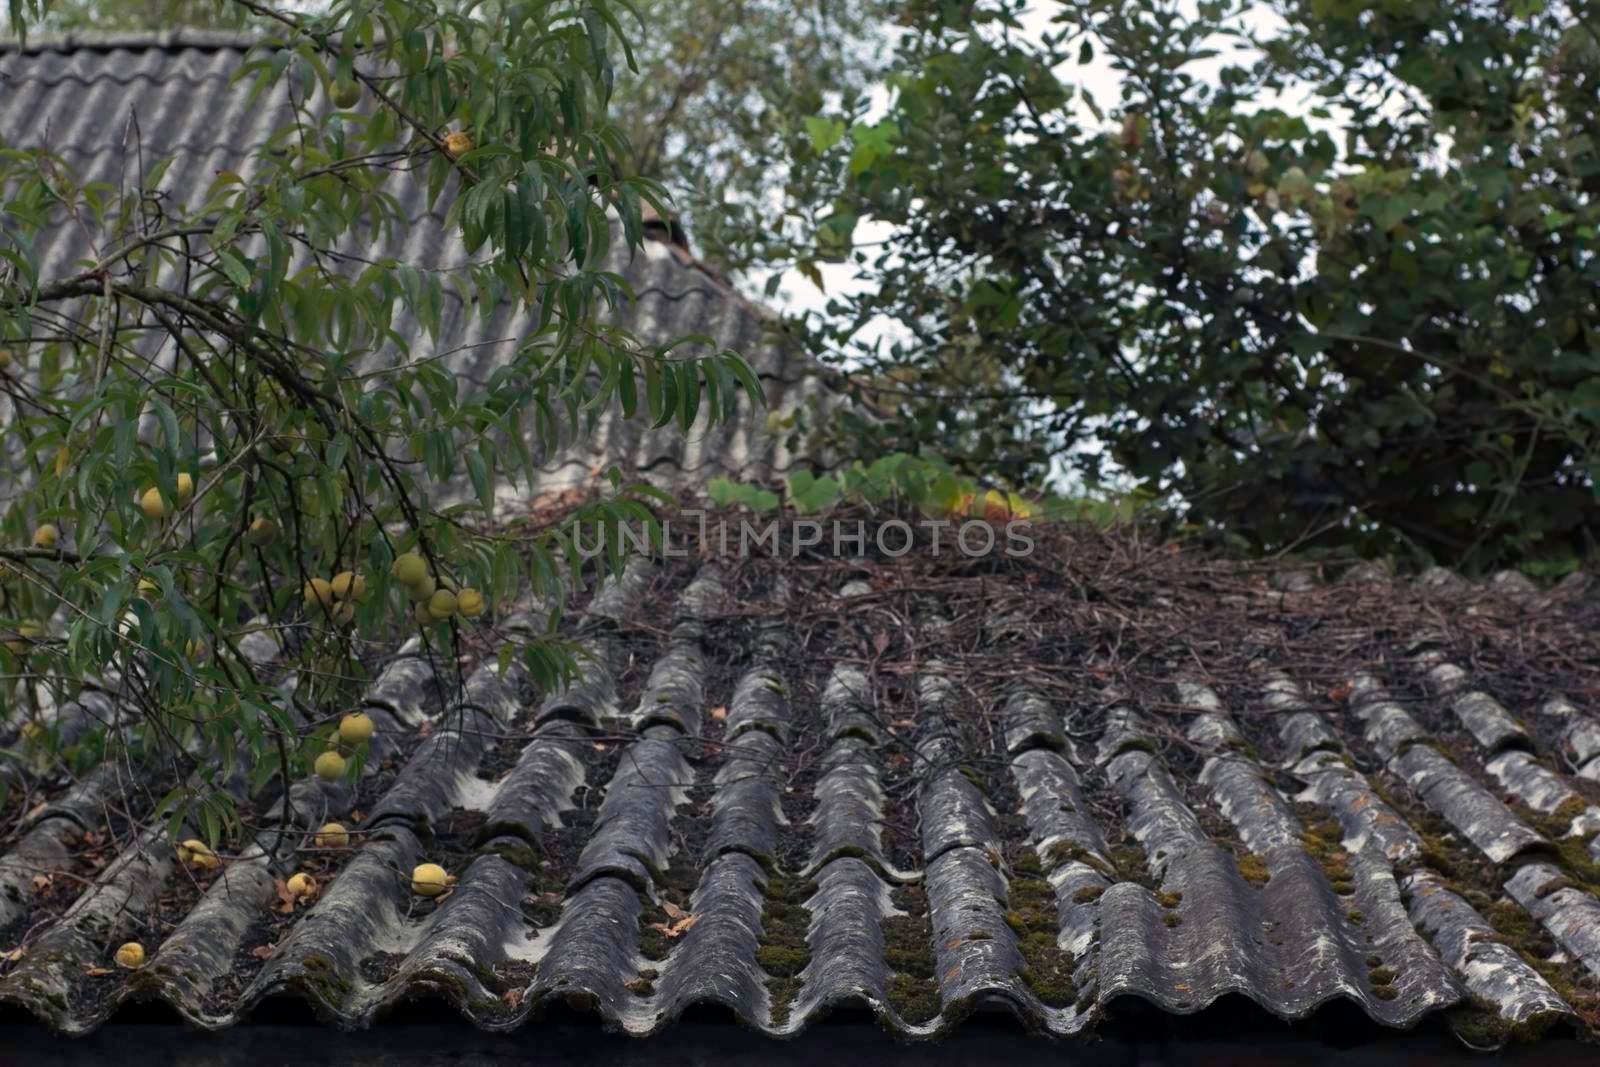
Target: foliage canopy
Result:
[[1365, 326], [223, 423]]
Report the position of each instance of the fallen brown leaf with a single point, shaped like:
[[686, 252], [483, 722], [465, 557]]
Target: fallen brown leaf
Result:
[[880, 641], [512, 997], [426, 729], [14, 955], [263, 952], [97, 972], [719, 713], [41, 883], [286, 899], [672, 910], [677, 929]]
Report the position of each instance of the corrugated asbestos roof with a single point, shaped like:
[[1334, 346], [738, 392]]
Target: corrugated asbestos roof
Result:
[[786, 788], [110, 104]]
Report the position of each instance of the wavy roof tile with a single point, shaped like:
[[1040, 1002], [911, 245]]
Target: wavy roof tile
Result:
[[788, 790]]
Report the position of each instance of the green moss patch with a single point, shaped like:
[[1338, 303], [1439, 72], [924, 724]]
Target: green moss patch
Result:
[[1253, 869], [784, 952], [1519, 930], [1031, 904], [1382, 979], [1481, 1026], [1131, 865], [1570, 851], [1064, 852], [676, 884], [1323, 840], [908, 948]]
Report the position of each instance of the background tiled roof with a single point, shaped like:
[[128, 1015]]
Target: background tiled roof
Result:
[[110, 104]]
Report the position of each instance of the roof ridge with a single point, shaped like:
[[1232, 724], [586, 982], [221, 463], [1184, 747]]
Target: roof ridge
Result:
[[106, 40]]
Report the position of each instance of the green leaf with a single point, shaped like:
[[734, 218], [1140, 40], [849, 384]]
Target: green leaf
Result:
[[824, 133], [808, 493], [234, 268], [479, 471]]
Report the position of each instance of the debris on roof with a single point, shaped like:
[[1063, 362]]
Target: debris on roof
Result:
[[921, 786]]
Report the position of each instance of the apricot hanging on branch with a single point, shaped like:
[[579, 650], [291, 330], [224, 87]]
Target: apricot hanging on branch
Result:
[[355, 728], [153, 506], [329, 767]]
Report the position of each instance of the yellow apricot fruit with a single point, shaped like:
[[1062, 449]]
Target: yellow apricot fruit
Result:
[[996, 508], [470, 603], [302, 885], [430, 880], [333, 835], [46, 536], [423, 616], [131, 955], [409, 568], [342, 583], [458, 144], [355, 728], [346, 94], [196, 853], [329, 766], [185, 487], [27, 633], [442, 604], [319, 593], [424, 590], [152, 505], [344, 614], [261, 531]]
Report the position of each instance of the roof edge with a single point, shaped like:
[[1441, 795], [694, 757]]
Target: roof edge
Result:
[[108, 40]]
